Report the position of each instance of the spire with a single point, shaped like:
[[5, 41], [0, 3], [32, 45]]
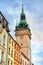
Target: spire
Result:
[[22, 24], [22, 8], [22, 13]]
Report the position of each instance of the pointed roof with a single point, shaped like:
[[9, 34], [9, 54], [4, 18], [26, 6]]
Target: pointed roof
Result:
[[23, 23], [22, 17], [22, 8]]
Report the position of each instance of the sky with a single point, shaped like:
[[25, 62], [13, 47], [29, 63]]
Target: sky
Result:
[[33, 9]]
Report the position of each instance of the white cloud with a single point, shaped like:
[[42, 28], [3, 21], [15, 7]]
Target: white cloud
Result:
[[10, 10], [37, 37], [13, 11], [37, 45], [37, 59]]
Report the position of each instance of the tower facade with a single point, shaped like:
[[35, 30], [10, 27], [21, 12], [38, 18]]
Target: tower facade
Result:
[[23, 35]]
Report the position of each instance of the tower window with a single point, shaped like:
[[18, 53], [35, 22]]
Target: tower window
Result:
[[21, 44]]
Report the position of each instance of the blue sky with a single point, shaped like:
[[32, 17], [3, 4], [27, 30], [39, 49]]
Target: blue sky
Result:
[[33, 9]]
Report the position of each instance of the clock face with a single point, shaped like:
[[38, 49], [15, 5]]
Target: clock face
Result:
[[21, 37]]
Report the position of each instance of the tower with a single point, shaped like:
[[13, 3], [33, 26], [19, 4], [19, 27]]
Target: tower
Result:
[[23, 35]]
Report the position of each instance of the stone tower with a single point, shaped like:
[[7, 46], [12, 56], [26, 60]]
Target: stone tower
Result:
[[23, 35]]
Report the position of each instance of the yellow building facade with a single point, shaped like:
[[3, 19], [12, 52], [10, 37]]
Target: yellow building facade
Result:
[[10, 50], [13, 50]]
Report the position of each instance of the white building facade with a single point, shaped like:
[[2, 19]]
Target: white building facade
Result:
[[3, 40]]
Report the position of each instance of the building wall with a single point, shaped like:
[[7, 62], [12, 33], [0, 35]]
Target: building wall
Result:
[[23, 39], [10, 60], [16, 54], [3, 45], [24, 60]]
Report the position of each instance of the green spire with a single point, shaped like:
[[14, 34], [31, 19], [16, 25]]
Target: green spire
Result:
[[22, 8], [22, 14], [22, 24]]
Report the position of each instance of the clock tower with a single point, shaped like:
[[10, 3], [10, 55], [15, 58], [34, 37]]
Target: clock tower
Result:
[[23, 35]]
